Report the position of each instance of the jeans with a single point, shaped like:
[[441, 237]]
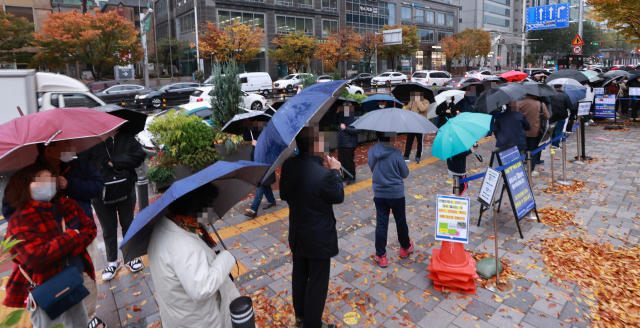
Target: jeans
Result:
[[557, 131], [532, 144], [383, 207], [267, 192], [309, 287]]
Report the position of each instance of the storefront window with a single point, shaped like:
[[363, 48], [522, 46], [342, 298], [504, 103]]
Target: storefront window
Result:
[[419, 60], [438, 61], [258, 64]]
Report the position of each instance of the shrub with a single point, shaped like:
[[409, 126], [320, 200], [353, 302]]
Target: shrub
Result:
[[161, 175], [226, 96]]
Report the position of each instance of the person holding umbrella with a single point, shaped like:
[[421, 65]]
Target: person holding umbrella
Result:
[[446, 110], [560, 106], [535, 111], [347, 140], [251, 133], [510, 128], [417, 105]]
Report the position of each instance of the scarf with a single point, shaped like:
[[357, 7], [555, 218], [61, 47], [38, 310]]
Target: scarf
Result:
[[197, 228]]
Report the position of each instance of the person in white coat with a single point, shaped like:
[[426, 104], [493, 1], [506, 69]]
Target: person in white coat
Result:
[[192, 282]]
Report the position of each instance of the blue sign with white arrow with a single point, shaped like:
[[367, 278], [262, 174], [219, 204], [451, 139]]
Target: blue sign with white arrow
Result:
[[548, 17]]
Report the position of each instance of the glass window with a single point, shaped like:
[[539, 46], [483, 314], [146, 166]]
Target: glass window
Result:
[[331, 5], [492, 20], [187, 23], [328, 26], [406, 13], [441, 36], [258, 20], [441, 19], [163, 31], [287, 25], [430, 17], [449, 20], [420, 15], [284, 2], [236, 16], [161, 6], [78, 100], [308, 26], [305, 4], [291, 24], [224, 17], [503, 2], [497, 10], [21, 12], [425, 36], [391, 7]]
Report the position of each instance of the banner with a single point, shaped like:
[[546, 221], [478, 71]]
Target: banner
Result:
[[517, 182], [452, 219], [606, 106]]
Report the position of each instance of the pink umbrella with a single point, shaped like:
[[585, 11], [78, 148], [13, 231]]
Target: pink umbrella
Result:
[[84, 127]]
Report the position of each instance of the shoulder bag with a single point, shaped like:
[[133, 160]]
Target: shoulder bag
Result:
[[116, 184]]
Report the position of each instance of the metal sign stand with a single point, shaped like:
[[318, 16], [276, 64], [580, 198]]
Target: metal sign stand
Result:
[[578, 149]]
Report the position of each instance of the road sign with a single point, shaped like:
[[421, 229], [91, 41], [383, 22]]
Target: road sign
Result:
[[146, 24], [392, 37], [601, 56], [577, 50], [577, 41], [548, 17]]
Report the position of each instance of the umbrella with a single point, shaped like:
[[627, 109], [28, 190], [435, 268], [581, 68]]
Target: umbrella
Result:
[[403, 91], [371, 103], [334, 108], [495, 97], [568, 73], [591, 75], [572, 88], [537, 89], [237, 124], [277, 140], [459, 134], [625, 68], [236, 180], [617, 79], [394, 120], [479, 86], [616, 73], [441, 97], [514, 76], [136, 120], [276, 105], [84, 127]]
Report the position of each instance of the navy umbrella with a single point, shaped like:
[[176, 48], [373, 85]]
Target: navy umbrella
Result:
[[137, 120], [277, 140], [237, 124], [237, 180], [371, 103]]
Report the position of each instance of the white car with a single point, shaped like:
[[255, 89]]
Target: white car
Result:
[[389, 78], [324, 78], [289, 82], [355, 90], [251, 101], [480, 75], [431, 77]]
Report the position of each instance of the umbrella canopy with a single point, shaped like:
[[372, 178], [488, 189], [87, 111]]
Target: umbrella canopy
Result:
[[490, 81], [334, 107], [572, 88], [82, 126], [478, 86], [277, 140], [238, 124], [459, 134], [371, 103], [514, 76], [276, 105], [394, 120], [617, 79], [568, 73], [593, 76], [403, 91], [136, 120], [625, 68], [616, 73], [441, 97], [236, 179], [537, 89], [494, 98]]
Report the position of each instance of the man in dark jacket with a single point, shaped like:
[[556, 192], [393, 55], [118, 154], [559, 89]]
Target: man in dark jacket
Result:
[[347, 140], [560, 106], [446, 111], [116, 159], [311, 190], [510, 128]]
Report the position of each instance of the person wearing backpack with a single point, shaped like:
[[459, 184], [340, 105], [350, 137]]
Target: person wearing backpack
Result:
[[116, 159], [560, 106]]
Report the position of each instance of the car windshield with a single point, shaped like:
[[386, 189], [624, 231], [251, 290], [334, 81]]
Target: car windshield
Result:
[[385, 74], [457, 80], [165, 87], [289, 77], [353, 76]]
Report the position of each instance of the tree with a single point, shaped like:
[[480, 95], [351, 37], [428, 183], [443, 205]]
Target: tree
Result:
[[295, 49], [368, 46], [558, 41], [226, 95], [340, 46], [451, 48], [101, 40], [235, 41], [620, 15], [15, 33], [409, 44], [473, 43], [169, 50]]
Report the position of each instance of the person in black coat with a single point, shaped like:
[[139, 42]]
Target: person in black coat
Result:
[[510, 128], [446, 110], [560, 107], [347, 140], [251, 133], [116, 159], [311, 190]]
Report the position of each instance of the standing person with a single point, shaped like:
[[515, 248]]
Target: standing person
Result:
[[510, 128], [468, 102], [624, 93], [389, 171], [560, 106], [446, 110], [347, 140], [251, 133], [457, 167], [533, 109], [116, 159], [311, 190], [417, 105], [54, 233]]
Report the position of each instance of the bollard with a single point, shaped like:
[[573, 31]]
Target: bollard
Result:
[[164, 102], [578, 148], [552, 173], [529, 159], [564, 162], [143, 193], [456, 185], [122, 101], [583, 140], [242, 315]]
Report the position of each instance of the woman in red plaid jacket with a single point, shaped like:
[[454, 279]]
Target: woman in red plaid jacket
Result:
[[45, 248]]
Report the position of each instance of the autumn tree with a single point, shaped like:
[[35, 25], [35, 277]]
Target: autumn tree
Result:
[[15, 33], [409, 44], [236, 41], [622, 16], [341, 45], [451, 48], [473, 43], [101, 40], [368, 46], [295, 49]]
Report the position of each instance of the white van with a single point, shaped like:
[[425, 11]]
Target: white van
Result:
[[259, 82]]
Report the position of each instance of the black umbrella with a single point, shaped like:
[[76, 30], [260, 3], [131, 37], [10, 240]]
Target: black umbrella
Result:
[[479, 87], [136, 120], [625, 68], [238, 123], [276, 105], [616, 73], [495, 97], [633, 81], [537, 89], [493, 81], [570, 74], [403, 91], [334, 108], [614, 79]]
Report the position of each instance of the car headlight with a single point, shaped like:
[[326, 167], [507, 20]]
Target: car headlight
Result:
[[141, 96]]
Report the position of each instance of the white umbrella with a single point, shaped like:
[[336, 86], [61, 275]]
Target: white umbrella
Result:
[[440, 98]]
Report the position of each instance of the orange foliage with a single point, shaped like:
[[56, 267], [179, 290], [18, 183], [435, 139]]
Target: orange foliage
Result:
[[236, 40]]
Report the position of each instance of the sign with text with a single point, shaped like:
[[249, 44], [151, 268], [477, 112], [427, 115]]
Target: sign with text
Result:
[[584, 108], [598, 91], [548, 17], [368, 9], [606, 106], [634, 92], [517, 182], [488, 188], [452, 219]]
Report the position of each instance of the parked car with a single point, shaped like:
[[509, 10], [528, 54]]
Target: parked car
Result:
[[324, 78], [174, 93], [251, 101], [431, 77], [459, 81], [259, 82], [122, 92], [389, 78], [353, 89], [101, 85], [480, 75], [360, 79], [289, 82]]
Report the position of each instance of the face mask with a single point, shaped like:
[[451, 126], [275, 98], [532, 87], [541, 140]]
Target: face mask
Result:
[[67, 156], [44, 194], [448, 101], [381, 106]]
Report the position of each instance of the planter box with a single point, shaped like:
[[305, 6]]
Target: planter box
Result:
[[333, 140], [179, 172], [244, 153]]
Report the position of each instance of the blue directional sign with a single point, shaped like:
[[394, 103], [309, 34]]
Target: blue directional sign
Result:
[[601, 56], [548, 17]]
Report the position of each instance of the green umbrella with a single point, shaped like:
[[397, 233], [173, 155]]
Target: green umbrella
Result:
[[459, 134]]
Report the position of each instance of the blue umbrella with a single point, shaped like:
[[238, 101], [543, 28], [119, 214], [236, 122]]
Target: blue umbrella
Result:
[[277, 140], [574, 89], [237, 179], [459, 134], [371, 103]]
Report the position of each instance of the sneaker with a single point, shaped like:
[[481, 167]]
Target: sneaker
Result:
[[406, 159], [591, 121], [134, 265], [535, 173], [110, 272], [382, 260], [251, 214], [540, 162], [417, 160], [97, 323], [405, 252], [269, 205], [555, 147]]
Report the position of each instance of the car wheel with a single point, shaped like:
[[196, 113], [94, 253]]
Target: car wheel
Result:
[[403, 80], [435, 85], [358, 92], [289, 88], [256, 106], [156, 102], [265, 92]]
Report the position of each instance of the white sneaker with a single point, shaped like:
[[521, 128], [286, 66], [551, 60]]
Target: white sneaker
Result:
[[591, 122], [535, 173], [110, 272], [134, 265]]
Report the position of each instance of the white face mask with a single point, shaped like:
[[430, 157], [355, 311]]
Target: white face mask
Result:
[[381, 106], [449, 101], [44, 194], [67, 156]]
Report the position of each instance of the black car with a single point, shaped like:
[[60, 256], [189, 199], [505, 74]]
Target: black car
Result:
[[360, 79], [458, 81], [123, 92], [101, 85], [174, 94]]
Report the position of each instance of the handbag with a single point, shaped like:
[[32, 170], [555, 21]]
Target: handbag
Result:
[[544, 124], [116, 184], [58, 294]]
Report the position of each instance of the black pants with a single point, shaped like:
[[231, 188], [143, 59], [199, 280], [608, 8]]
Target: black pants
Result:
[[109, 216], [310, 284], [346, 157], [407, 148], [532, 144], [384, 206]]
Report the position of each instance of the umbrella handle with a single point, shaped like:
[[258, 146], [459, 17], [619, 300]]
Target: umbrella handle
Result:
[[478, 157]]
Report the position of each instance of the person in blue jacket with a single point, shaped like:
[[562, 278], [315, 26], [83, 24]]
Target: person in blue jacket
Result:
[[510, 128]]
